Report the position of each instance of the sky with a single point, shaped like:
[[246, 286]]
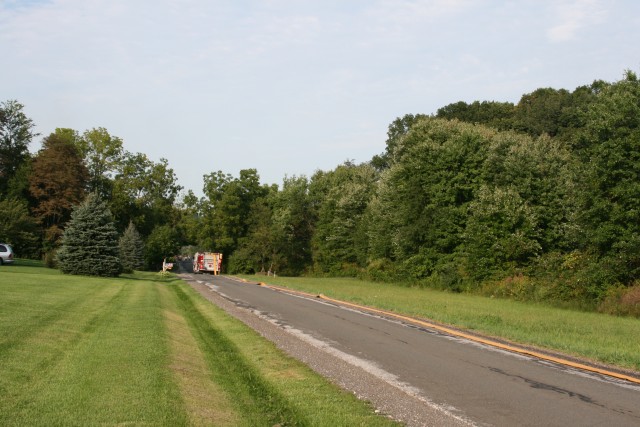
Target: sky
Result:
[[289, 87]]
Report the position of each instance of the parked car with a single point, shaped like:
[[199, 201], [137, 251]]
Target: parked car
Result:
[[6, 254]]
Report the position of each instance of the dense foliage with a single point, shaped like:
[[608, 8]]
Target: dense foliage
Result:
[[15, 135], [534, 200], [56, 184], [162, 243], [18, 227]]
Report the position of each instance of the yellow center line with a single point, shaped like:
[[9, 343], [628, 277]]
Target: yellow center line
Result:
[[460, 334]]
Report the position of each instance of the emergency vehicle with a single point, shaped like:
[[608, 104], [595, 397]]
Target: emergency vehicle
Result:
[[207, 262]]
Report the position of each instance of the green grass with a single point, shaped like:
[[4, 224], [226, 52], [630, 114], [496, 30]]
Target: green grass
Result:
[[599, 337], [146, 350]]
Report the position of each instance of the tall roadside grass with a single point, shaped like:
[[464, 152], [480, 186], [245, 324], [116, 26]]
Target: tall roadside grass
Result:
[[598, 337], [147, 350]]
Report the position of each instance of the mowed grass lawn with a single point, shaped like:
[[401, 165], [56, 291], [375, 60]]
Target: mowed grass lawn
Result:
[[147, 350], [594, 336]]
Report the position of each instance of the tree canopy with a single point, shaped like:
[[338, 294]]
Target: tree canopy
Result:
[[464, 199], [16, 133], [57, 183]]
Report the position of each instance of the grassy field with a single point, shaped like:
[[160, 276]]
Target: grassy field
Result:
[[594, 336], [146, 350]]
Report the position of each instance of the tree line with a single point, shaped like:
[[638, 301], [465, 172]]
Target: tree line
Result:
[[537, 200], [38, 193]]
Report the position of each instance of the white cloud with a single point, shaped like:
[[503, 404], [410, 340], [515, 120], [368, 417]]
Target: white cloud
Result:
[[404, 12], [573, 16], [404, 21]]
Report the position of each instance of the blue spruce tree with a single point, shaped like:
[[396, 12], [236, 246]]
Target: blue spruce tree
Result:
[[90, 241]]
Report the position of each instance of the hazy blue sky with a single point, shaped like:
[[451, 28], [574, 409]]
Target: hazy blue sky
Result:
[[289, 87]]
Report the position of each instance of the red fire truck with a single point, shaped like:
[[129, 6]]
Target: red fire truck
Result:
[[207, 262]]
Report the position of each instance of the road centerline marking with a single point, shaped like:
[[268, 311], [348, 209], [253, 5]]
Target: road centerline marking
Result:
[[453, 332]]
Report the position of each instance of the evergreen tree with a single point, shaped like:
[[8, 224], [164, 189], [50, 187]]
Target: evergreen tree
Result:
[[131, 249], [90, 241]]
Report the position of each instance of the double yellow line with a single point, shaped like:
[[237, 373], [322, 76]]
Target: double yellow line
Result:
[[456, 333]]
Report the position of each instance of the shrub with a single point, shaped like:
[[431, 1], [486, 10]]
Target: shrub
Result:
[[630, 301], [49, 259], [381, 270], [449, 274], [347, 269], [622, 301], [417, 267], [517, 287]]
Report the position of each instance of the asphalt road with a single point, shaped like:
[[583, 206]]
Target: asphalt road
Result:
[[470, 381]]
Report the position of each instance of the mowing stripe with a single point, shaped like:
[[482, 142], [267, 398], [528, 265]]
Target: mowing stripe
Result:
[[254, 397], [113, 371], [191, 371], [33, 325], [456, 333]]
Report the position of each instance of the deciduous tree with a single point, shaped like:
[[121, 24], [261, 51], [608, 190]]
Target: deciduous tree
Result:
[[610, 144], [57, 183], [18, 228], [163, 242], [228, 206], [395, 134], [293, 224], [257, 252], [502, 233], [16, 133], [427, 192], [144, 192], [498, 115], [102, 153], [340, 238]]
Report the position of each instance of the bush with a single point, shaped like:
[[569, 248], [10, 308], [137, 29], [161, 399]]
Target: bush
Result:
[[381, 270], [447, 276], [347, 269], [630, 301], [577, 277], [50, 259], [517, 287], [622, 301], [417, 267]]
